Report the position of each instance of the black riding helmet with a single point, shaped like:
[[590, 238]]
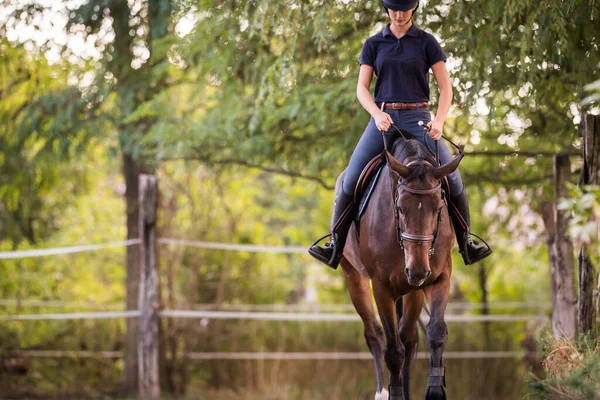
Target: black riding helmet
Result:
[[400, 5]]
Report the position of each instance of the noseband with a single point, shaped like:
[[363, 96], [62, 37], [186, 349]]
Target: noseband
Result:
[[419, 239]]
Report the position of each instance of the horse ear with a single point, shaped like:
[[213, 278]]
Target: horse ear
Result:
[[448, 168], [397, 166]]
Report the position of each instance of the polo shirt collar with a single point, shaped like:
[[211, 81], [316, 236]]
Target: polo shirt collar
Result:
[[413, 31]]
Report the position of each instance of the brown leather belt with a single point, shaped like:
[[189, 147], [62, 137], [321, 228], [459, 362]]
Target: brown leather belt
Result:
[[403, 106]]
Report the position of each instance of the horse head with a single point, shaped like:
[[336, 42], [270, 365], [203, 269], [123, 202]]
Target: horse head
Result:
[[418, 204]]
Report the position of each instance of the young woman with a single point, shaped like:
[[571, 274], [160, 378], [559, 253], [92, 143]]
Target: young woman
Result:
[[401, 57]]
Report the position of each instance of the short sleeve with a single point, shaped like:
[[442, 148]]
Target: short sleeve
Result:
[[367, 55], [434, 52]]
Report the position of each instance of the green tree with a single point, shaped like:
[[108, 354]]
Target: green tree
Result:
[[131, 70]]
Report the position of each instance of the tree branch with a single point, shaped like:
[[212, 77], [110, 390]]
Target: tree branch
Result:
[[522, 153], [497, 179], [246, 164]]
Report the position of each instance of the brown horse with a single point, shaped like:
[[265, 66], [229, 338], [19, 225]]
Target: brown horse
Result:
[[404, 249]]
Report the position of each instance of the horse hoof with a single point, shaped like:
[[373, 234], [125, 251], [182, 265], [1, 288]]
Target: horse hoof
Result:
[[436, 393], [383, 395]]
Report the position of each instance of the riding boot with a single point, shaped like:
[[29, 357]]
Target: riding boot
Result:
[[471, 250], [343, 213]]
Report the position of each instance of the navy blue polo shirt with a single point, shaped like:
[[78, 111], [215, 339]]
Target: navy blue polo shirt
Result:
[[402, 65]]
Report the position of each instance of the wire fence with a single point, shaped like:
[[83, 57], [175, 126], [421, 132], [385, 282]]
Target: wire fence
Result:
[[259, 312], [20, 254], [329, 355], [259, 316], [290, 308]]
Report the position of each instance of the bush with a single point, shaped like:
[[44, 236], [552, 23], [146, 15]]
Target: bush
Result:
[[572, 369]]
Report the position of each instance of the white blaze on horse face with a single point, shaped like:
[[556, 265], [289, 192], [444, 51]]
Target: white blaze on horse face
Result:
[[419, 205]]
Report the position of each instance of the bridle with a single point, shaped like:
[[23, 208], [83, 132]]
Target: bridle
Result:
[[419, 239], [402, 236]]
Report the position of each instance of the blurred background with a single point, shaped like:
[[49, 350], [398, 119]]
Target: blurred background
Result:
[[245, 111]]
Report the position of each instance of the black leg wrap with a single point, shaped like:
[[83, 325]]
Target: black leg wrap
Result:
[[436, 385], [396, 392], [437, 377]]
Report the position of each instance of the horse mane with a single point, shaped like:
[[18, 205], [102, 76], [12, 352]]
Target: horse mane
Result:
[[411, 148]]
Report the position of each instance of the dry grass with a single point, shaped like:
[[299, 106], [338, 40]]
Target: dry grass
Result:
[[562, 362], [562, 359]]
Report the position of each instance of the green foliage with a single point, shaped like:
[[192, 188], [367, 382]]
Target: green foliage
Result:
[[265, 86], [35, 107], [583, 204], [518, 71], [263, 82], [594, 93]]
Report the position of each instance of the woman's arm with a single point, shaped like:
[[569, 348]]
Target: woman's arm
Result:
[[442, 78], [382, 119]]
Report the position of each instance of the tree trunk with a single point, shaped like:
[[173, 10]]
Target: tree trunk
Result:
[[587, 310], [563, 280], [134, 87], [589, 176]]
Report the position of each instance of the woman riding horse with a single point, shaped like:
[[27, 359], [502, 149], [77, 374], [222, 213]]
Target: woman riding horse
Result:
[[401, 57]]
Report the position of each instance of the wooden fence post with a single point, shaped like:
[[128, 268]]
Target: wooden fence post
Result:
[[563, 268], [149, 387], [590, 131]]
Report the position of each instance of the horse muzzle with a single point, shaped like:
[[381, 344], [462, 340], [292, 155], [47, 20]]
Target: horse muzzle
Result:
[[417, 276]]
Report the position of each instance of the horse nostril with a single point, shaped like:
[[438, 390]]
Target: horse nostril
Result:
[[428, 274], [407, 272]]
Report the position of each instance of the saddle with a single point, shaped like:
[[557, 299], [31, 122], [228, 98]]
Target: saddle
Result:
[[366, 186]]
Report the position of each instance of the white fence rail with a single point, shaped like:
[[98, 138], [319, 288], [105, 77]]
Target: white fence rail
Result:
[[259, 316], [64, 250], [457, 355], [65, 316], [306, 307]]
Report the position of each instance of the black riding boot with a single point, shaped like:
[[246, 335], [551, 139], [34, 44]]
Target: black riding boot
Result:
[[471, 250], [331, 253]]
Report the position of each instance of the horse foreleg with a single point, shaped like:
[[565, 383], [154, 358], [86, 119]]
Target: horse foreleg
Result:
[[360, 294], [437, 336], [412, 305], [394, 350]]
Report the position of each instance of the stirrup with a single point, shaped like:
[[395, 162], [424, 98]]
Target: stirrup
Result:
[[318, 240], [465, 254], [480, 238], [331, 260]]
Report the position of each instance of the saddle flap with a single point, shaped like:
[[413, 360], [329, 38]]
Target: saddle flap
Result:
[[365, 177], [366, 185]]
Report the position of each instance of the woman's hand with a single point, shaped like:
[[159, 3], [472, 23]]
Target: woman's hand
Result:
[[383, 121], [435, 128]]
